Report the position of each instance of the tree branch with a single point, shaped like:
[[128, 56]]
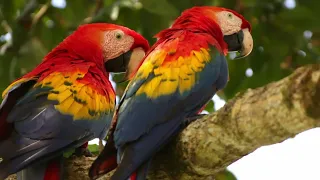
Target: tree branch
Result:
[[263, 116], [258, 117]]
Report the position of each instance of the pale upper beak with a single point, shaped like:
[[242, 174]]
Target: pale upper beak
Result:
[[247, 44], [127, 62], [137, 56]]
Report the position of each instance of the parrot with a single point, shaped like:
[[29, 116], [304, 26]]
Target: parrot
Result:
[[178, 76], [66, 100]]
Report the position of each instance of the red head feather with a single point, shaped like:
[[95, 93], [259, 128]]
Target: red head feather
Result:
[[85, 42], [201, 20], [83, 47]]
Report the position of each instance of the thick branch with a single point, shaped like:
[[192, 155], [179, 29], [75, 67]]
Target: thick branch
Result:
[[255, 118]]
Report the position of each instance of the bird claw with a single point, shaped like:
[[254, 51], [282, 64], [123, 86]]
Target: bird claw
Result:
[[83, 152], [189, 120]]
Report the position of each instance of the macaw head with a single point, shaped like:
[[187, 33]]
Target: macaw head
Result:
[[229, 28], [112, 47]]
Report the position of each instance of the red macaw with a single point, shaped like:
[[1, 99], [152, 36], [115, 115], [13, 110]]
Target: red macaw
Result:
[[179, 75], [66, 100]]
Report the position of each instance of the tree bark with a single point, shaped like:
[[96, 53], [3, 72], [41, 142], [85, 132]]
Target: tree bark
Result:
[[254, 118]]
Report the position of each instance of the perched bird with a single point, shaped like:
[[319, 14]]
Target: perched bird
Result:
[[65, 101], [179, 75]]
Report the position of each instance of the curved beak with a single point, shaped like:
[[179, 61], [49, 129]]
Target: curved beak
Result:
[[241, 42], [127, 62], [135, 61]]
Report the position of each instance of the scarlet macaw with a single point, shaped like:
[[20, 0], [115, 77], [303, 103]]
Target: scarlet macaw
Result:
[[66, 100], [179, 75]]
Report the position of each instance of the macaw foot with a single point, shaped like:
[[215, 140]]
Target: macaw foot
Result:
[[80, 151], [189, 120], [83, 151]]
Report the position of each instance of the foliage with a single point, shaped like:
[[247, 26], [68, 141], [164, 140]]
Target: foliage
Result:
[[284, 37], [225, 175], [94, 149], [68, 153], [281, 35]]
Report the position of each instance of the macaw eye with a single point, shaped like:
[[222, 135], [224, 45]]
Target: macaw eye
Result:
[[119, 35], [229, 15]]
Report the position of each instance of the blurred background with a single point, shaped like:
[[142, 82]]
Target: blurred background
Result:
[[286, 36]]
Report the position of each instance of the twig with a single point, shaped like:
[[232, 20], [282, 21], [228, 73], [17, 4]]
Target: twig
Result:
[[40, 13], [6, 26], [25, 18], [98, 8]]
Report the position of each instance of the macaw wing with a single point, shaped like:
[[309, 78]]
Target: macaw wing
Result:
[[160, 92], [52, 115], [15, 91]]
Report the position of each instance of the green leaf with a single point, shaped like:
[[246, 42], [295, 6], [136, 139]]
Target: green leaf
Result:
[[94, 148], [225, 175], [210, 106], [162, 7], [68, 153]]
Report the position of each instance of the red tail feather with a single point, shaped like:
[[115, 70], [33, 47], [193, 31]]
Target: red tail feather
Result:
[[85, 145], [133, 176], [203, 107], [102, 166], [109, 164], [52, 171]]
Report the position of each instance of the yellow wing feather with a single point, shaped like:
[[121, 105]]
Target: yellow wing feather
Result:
[[174, 75], [75, 98]]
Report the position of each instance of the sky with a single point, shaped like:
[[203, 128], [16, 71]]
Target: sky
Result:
[[297, 158]]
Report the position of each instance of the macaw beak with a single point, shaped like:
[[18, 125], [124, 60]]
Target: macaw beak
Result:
[[137, 56], [127, 62], [241, 41]]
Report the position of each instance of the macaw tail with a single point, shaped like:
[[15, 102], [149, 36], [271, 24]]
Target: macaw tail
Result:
[[105, 162], [19, 157], [29, 157], [136, 156], [142, 172], [48, 170], [133, 176]]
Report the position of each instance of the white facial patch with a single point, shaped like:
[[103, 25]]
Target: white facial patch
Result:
[[228, 22], [115, 43]]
